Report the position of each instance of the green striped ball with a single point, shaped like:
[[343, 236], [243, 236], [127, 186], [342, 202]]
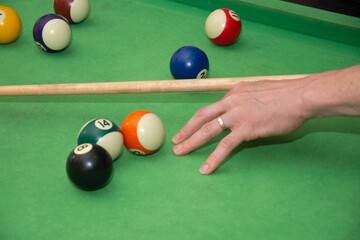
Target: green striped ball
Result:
[[105, 133]]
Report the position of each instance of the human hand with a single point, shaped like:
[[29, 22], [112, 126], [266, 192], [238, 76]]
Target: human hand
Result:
[[250, 110]]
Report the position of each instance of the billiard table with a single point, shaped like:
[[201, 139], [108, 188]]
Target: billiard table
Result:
[[304, 185]]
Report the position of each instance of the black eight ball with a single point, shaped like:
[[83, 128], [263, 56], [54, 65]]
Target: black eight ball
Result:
[[89, 167]]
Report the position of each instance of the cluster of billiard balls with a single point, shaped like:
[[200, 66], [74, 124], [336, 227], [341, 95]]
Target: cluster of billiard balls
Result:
[[51, 32], [100, 142], [222, 27]]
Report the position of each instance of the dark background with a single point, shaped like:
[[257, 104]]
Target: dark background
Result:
[[347, 7]]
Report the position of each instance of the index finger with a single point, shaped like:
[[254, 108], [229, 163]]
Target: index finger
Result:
[[202, 116]]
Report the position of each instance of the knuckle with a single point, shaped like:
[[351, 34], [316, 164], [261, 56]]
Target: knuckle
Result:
[[183, 133], [226, 143], [214, 161], [240, 86], [231, 101], [187, 144], [201, 112], [213, 158], [238, 97], [207, 127]]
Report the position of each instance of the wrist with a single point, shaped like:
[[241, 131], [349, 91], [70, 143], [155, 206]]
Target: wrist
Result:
[[334, 93]]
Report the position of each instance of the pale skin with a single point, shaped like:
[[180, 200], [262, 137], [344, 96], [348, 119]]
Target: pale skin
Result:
[[254, 110]]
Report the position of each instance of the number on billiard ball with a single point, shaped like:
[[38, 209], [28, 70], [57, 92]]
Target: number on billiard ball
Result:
[[10, 25], [223, 26], [143, 131], [104, 133], [52, 33], [75, 11], [189, 62], [89, 167]]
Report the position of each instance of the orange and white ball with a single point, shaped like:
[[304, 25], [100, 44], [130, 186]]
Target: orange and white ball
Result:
[[223, 26], [143, 132]]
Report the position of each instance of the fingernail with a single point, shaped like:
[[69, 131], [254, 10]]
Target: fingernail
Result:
[[175, 138], [204, 169], [177, 148]]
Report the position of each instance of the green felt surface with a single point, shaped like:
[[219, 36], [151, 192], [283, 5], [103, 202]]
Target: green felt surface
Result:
[[305, 185]]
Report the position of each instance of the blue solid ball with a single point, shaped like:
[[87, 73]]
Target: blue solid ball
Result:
[[188, 63], [52, 33]]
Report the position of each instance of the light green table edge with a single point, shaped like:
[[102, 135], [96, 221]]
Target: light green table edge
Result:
[[294, 17]]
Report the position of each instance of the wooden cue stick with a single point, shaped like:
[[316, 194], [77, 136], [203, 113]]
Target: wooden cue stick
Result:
[[189, 85]]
